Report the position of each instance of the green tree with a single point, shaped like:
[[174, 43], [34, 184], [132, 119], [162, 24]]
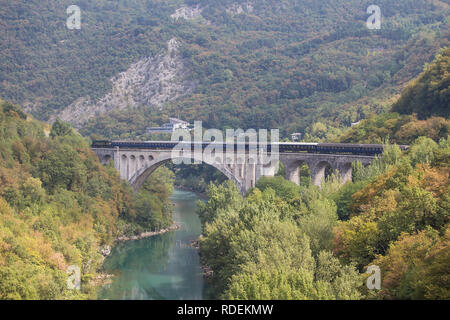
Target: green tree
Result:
[[422, 151], [60, 128]]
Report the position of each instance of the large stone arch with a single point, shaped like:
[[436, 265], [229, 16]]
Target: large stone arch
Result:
[[140, 175]]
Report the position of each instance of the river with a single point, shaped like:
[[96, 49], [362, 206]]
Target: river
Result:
[[160, 267]]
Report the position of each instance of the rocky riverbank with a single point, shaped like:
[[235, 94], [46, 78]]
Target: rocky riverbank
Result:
[[148, 234], [102, 279], [207, 271]]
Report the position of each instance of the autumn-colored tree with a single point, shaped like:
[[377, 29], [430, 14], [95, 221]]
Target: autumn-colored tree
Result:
[[416, 267]]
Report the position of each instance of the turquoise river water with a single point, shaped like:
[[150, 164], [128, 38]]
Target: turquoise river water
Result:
[[160, 267]]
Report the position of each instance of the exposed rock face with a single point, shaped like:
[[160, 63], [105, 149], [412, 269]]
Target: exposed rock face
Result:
[[246, 7], [188, 13], [194, 12], [106, 251], [150, 82]]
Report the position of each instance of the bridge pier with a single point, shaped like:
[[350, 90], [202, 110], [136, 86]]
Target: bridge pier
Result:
[[292, 173], [345, 170]]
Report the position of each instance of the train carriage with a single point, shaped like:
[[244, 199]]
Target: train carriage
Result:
[[327, 148]]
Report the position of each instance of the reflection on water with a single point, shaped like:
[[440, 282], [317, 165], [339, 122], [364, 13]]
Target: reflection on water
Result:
[[160, 267]]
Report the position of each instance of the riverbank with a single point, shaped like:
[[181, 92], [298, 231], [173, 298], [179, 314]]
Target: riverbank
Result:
[[102, 278], [148, 234], [207, 271], [162, 267]]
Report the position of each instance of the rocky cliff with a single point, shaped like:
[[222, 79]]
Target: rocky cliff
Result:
[[150, 82]]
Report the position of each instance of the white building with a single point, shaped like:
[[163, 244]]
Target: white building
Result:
[[177, 123], [169, 127]]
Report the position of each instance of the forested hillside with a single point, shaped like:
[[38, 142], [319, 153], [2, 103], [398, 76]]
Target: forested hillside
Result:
[[285, 241], [260, 64], [59, 207], [423, 109], [429, 94], [309, 66]]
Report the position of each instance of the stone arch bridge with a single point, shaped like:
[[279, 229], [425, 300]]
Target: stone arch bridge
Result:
[[135, 164]]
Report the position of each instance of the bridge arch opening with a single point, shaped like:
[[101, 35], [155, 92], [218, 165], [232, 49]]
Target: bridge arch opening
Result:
[[298, 171], [140, 175], [132, 164], [141, 161], [321, 172], [106, 159]]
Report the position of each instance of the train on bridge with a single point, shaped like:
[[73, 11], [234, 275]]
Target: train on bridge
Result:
[[325, 148]]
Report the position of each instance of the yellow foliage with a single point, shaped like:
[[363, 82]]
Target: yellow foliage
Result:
[[416, 267], [5, 209], [435, 179], [363, 198]]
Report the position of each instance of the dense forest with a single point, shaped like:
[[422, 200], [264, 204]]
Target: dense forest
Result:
[[301, 66], [422, 110], [59, 207], [295, 65], [284, 241], [429, 94]]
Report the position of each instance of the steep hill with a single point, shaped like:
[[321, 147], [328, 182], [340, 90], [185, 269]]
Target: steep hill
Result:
[[423, 109], [60, 207], [429, 94], [257, 64]]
